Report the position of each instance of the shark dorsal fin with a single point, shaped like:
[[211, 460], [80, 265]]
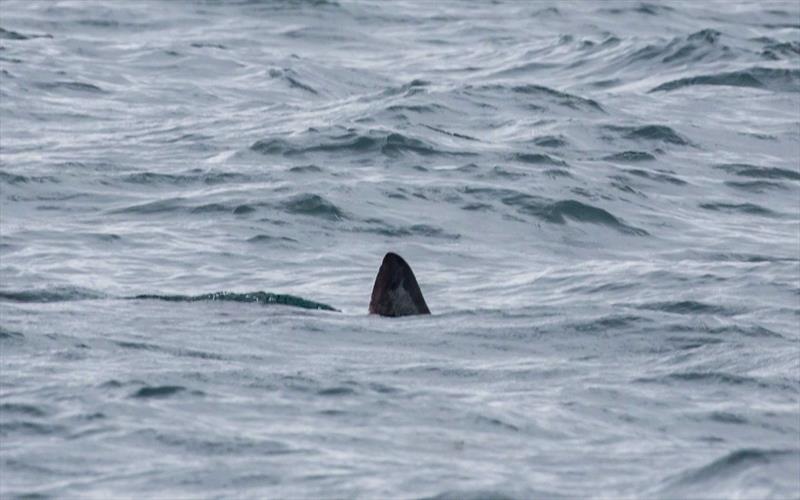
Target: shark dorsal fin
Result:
[[396, 292]]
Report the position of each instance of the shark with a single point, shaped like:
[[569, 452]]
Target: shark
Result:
[[396, 291]]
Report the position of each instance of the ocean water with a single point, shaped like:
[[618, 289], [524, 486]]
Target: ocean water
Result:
[[600, 201]]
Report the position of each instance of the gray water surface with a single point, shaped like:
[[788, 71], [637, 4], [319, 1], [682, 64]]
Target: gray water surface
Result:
[[601, 202]]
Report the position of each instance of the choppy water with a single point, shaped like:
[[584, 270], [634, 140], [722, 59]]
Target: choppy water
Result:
[[601, 202]]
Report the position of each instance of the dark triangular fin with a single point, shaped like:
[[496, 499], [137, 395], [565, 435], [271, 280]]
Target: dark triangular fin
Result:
[[396, 292]]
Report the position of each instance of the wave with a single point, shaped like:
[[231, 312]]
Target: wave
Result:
[[642, 8], [546, 95], [68, 294], [194, 177], [172, 205], [776, 79], [502, 173], [719, 378], [563, 98], [179, 352], [54, 294], [727, 418], [70, 85], [755, 186], [292, 78], [656, 176], [30, 428], [674, 54], [747, 170], [14, 35], [538, 159], [153, 207], [12, 179], [160, 391], [744, 208], [630, 157], [251, 297], [423, 230], [713, 377], [703, 46], [550, 141], [473, 495], [558, 212], [313, 205], [477, 207], [308, 204], [23, 409], [409, 89], [418, 108], [306, 169], [777, 51], [747, 331], [656, 133], [391, 144], [729, 466], [738, 257], [265, 238], [11, 35], [611, 322], [622, 183], [10, 334], [208, 45], [741, 457], [686, 307], [451, 134]]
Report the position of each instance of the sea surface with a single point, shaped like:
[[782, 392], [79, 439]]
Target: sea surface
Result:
[[600, 201]]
